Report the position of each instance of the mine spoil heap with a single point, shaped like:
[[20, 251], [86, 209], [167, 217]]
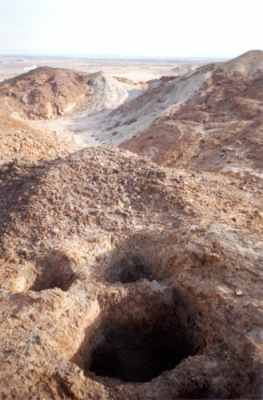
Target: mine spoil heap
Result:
[[124, 280]]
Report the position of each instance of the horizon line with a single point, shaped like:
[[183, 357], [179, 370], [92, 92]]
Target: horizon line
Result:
[[110, 56]]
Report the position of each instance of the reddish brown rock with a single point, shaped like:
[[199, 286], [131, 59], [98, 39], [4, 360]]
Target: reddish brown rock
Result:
[[44, 93]]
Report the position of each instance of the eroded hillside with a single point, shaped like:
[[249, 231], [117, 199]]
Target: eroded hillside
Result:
[[218, 129]]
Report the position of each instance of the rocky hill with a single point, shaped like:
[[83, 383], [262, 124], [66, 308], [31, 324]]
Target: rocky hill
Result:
[[218, 128], [44, 92]]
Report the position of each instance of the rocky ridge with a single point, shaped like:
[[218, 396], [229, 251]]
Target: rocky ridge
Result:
[[217, 129]]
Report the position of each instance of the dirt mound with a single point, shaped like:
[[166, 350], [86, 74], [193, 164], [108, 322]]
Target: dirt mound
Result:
[[19, 141], [82, 178], [116, 272]]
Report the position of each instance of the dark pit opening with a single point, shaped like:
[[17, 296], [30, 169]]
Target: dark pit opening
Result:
[[55, 272], [137, 345], [130, 269], [134, 354]]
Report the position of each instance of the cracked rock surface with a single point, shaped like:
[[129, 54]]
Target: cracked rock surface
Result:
[[124, 280]]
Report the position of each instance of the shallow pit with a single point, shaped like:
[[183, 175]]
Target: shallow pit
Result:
[[55, 272]]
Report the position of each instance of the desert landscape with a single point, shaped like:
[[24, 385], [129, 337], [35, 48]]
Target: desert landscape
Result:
[[131, 209]]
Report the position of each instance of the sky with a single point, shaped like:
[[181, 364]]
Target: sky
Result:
[[131, 28]]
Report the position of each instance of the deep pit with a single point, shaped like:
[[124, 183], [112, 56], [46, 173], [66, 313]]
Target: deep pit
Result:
[[138, 348], [139, 354]]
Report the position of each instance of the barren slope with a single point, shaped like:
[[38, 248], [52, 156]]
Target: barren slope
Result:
[[219, 128], [135, 116]]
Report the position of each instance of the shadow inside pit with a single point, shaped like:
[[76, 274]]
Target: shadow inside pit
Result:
[[130, 269], [136, 259], [55, 272], [139, 353], [138, 347]]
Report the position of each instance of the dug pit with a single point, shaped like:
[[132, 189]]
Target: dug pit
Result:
[[139, 353], [137, 346], [55, 271]]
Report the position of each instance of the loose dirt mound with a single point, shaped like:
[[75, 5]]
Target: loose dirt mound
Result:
[[19, 141], [116, 272]]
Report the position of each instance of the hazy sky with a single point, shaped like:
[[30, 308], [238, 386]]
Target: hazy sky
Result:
[[165, 28]]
